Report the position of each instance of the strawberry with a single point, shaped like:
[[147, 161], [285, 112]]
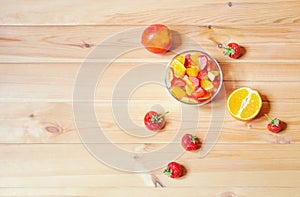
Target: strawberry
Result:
[[275, 125], [233, 50], [154, 121], [190, 142], [174, 170]]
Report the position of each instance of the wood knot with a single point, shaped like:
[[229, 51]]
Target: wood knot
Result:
[[230, 4], [54, 129], [209, 27], [220, 46], [86, 45]]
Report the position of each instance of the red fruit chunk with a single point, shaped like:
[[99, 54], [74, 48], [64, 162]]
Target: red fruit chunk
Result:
[[177, 82], [195, 81], [211, 66], [203, 61], [199, 93], [188, 61]]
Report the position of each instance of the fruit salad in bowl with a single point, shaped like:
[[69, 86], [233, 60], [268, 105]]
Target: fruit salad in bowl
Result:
[[193, 77]]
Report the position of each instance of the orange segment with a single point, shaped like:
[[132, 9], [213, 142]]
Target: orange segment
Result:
[[244, 103]]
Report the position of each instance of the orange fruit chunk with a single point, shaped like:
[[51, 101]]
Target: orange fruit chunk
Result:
[[189, 87], [178, 66], [178, 92], [192, 72], [207, 85], [244, 103]]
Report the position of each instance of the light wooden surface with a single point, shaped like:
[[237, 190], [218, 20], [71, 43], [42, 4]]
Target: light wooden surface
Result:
[[42, 46]]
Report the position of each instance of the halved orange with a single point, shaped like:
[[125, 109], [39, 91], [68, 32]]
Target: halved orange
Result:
[[244, 103]]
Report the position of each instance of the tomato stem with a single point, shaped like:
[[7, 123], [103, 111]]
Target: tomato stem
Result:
[[162, 115], [269, 118]]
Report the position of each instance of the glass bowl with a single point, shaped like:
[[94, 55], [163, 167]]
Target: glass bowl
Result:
[[193, 77]]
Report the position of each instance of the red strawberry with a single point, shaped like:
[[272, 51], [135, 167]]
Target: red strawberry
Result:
[[275, 125], [190, 142], [174, 170], [233, 50]]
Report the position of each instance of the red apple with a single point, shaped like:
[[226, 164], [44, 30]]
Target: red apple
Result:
[[157, 38]]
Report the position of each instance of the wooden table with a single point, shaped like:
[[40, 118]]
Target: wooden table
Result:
[[43, 46]]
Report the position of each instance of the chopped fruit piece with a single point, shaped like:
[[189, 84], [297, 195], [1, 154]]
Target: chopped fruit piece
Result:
[[192, 72], [195, 59], [181, 59], [207, 85], [188, 100], [203, 62], [178, 92], [199, 93], [179, 69], [211, 66], [206, 97], [212, 75], [178, 82], [189, 87], [202, 74], [170, 74], [188, 61], [244, 103], [195, 81]]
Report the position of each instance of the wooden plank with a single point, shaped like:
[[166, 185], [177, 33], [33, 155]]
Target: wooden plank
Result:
[[145, 191], [263, 44], [55, 92], [227, 165], [54, 123], [56, 82], [121, 13], [56, 76]]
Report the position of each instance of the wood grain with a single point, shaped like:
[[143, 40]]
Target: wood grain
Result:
[[54, 123], [74, 43], [56, 82], [170, 12], [43, 46]]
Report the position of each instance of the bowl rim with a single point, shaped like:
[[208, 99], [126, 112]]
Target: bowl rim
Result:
[[211, 58]]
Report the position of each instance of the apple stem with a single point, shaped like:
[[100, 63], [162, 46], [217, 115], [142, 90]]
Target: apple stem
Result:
[[269, 118], [162, 115]]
